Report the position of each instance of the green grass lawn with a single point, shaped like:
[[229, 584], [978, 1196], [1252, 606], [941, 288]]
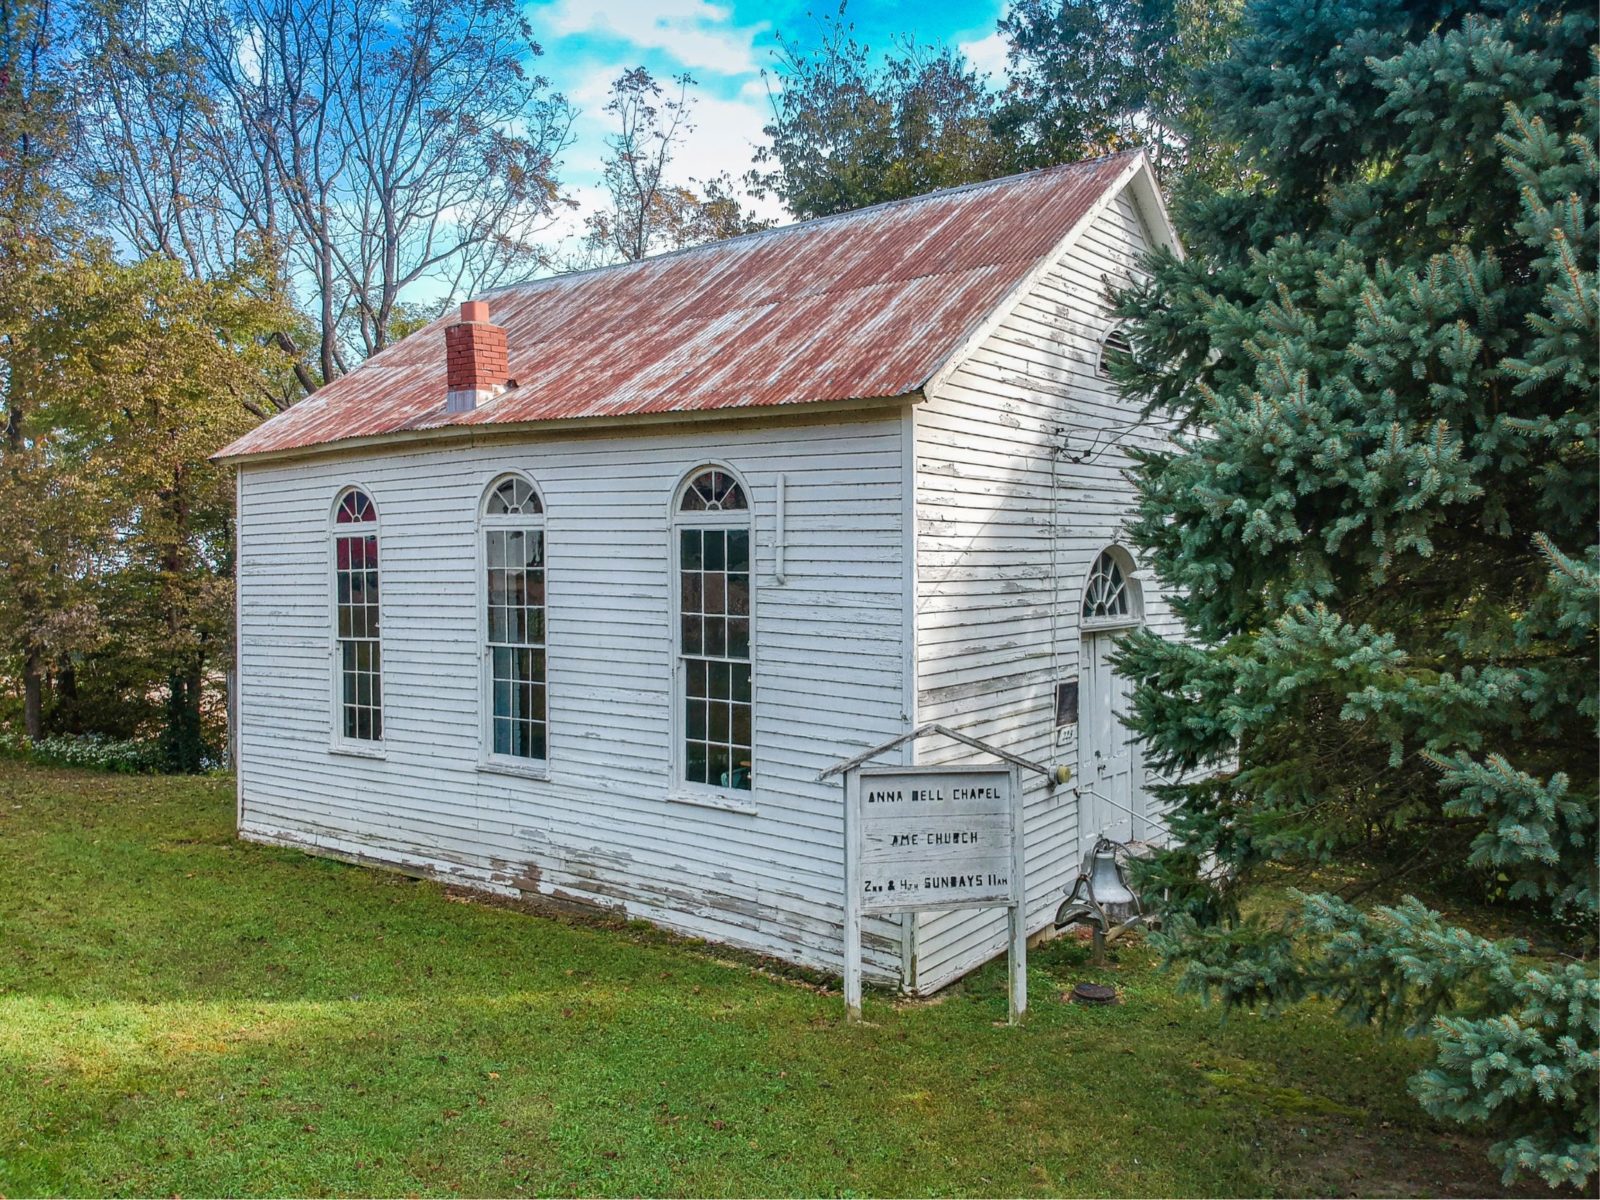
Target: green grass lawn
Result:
[[182, 1013]]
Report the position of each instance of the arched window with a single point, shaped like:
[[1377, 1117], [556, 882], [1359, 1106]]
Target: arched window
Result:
[[713, 545], [1111, 594], [358, 651], [713, 491], [1116, 345], [514, 681]]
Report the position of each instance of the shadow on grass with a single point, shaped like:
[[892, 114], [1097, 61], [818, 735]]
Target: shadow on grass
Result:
[[184, 1013]]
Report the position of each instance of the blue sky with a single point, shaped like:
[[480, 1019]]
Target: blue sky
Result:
[[724, 45]]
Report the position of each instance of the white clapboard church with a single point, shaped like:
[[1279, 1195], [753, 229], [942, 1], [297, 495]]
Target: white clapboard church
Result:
[[573, 595]]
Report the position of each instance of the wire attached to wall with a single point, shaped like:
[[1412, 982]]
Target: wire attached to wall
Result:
[[1096, 447]]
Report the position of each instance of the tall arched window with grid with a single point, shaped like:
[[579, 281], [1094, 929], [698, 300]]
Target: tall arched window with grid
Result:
[[358, 648], [517, 713], [712, 545]]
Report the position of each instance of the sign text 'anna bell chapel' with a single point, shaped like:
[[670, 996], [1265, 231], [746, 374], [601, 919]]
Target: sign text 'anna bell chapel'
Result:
[[933, 839]]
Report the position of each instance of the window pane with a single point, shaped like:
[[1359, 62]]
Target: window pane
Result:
[[517, 693], [356, 626], [717, 764], [714, 599], [712, 491], [503, 679]]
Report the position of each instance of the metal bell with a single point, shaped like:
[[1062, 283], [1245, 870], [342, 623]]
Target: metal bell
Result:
[[1107, 889]]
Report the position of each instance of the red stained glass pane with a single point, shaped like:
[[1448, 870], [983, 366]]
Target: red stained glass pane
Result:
[[355, 509]]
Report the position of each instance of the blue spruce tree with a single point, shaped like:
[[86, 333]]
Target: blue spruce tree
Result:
[[1382, 521]]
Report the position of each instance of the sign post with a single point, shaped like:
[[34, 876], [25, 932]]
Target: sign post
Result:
[[921, 838]]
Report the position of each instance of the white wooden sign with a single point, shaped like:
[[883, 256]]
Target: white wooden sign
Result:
[[929, 838], [935, 838]]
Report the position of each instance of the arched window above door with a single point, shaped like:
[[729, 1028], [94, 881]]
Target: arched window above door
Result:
[[1111, 594]]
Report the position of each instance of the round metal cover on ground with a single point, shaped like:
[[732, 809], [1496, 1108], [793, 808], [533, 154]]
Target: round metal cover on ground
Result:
[[1094, 993]]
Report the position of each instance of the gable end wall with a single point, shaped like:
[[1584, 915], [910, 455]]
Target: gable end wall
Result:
[[1007, 528]]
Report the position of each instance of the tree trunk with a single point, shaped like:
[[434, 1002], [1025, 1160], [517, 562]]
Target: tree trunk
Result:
[[67, 716], [33, 695], [185, 744]]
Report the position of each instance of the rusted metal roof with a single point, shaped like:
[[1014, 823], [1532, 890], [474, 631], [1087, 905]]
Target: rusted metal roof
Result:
[[861, 305]]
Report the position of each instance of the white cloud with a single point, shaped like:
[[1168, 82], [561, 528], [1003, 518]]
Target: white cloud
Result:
[[697, 33], [724, 138], [987, 54]]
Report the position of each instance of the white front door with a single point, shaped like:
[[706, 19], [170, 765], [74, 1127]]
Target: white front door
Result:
[[1108, 767]]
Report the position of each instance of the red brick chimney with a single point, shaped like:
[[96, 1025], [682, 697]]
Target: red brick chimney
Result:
[[475, 357]]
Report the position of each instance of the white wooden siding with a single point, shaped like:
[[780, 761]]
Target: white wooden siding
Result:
[[830, 675], [1008, 525]]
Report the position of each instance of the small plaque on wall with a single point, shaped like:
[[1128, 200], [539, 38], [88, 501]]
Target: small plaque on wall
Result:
[[1067, 703]]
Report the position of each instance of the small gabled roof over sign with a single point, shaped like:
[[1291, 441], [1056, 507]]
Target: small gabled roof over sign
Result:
[[866, 304]]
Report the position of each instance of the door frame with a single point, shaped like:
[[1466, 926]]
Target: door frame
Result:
[[1095, 630]]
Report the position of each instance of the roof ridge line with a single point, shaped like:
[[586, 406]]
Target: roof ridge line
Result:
[[773, 230]]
